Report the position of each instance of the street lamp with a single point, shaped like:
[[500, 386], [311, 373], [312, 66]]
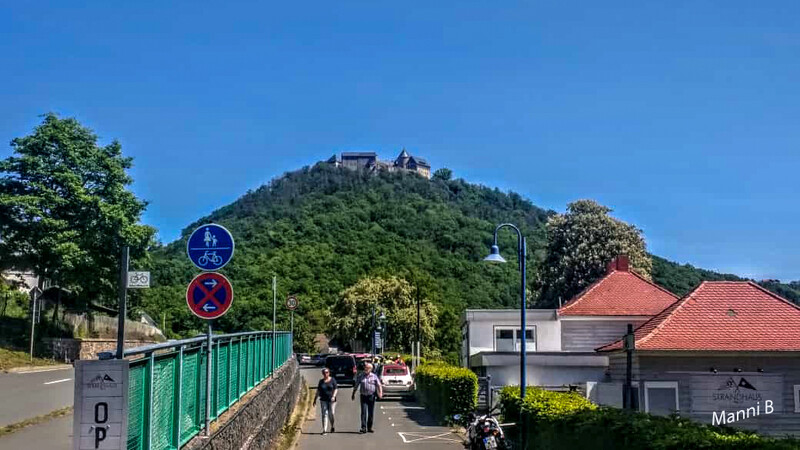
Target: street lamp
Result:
[[494, 256]]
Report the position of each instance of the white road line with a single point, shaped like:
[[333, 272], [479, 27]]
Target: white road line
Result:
[[58, 381], [416, 437], [402, 407]]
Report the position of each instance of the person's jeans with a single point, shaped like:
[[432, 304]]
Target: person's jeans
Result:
[[367, 411], [327, 409]]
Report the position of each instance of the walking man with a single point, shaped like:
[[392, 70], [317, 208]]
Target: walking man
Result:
[[370, 387], [326, 393]]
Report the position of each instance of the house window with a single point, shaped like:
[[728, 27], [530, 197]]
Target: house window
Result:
[[661, 397], [797, 398], [509, 339]]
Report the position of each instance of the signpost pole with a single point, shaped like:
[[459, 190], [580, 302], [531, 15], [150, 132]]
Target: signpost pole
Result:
[[208, 381], [33, 318], [123, 291], [274, 336], [627, 390], [292, 328]]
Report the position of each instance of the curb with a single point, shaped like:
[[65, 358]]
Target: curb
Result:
[[24, 370], [302, 416]]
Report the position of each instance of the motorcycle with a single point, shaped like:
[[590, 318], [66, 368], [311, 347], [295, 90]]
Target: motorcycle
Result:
[[484, 432]]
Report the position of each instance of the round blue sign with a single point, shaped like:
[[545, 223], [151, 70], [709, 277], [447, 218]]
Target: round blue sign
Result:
[[210, 247]]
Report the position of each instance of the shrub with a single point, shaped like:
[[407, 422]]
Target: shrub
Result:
[[568, 421], [446, 390]]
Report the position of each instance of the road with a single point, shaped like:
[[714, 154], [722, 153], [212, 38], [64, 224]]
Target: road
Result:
[[27, 395], [399, 425]]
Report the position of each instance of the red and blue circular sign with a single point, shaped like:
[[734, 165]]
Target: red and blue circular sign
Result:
[[209, 295]]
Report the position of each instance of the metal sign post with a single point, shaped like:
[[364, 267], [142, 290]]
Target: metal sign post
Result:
[[123, 300], [291, 304], [274, 337], [209, 346]]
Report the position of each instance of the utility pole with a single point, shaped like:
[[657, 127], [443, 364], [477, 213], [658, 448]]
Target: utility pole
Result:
[[33, 317], [123, 299], [415, 352]]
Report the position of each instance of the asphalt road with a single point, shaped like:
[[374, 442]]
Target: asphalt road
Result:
[[27, 395], [398, 425]]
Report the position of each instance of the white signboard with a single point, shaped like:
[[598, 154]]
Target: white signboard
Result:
[[138, 280], [735, 391], [101, 405]]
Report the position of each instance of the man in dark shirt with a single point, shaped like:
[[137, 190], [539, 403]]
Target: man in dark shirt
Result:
[[326, 393], [370, 387]]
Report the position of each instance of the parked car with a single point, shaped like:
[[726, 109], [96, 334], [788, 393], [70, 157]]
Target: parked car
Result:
[[343, 368], [396, 380], [304, 358], [320, 361]]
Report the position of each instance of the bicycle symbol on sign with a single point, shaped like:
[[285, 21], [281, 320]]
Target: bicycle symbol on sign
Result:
[[210, 257], [139, 278]]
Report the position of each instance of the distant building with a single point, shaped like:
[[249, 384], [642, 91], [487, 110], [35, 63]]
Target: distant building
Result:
[[370, 161]]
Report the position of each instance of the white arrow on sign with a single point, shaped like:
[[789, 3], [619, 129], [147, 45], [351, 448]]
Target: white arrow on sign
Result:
[[208, 307], [211, 283]]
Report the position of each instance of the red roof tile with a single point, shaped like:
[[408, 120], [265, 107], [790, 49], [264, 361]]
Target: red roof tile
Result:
[[722, 316], [620, 293]]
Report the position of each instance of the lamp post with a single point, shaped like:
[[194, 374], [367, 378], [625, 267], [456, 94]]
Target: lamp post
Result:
[[382, 325], [495, 257]]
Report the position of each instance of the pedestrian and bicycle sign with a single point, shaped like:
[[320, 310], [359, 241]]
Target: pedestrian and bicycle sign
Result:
[[210, 247], [209, 295]]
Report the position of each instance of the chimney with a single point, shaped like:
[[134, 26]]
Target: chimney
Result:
[[620, 263]]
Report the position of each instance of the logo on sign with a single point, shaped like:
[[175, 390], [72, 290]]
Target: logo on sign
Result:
[[102, 382], [731, 391]]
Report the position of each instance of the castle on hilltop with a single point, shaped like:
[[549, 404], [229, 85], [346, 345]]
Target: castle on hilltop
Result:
[[370, 161]]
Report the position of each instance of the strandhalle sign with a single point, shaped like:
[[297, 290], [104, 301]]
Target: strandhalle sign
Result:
[[101, 405]]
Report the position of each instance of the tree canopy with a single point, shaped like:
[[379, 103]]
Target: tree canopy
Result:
[[65, 208], [579, 245], [351, 313]]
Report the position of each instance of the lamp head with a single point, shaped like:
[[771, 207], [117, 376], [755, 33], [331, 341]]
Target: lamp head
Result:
[[494, 256]]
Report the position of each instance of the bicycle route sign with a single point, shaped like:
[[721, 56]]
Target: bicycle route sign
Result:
[[210, 247], [291, 303], [209, 295]]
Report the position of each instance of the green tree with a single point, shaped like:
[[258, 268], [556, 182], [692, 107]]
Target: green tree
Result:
[[351, 315], [443, 174], [65, 210], [579, 245]]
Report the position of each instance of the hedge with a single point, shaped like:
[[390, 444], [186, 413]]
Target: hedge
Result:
[[568, 421], [446, 390]]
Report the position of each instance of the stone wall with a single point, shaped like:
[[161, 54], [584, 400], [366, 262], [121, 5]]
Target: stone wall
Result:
[[256, 424], [68, 350]]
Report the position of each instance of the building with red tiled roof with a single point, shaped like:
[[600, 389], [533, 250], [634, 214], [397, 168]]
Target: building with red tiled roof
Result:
[[725, 347], [619, 293], [600, 314]]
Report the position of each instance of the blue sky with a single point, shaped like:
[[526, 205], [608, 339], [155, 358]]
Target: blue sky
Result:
[[681, 115]]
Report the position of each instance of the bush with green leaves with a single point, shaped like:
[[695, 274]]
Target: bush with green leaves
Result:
[[568, 421], [447, 390]]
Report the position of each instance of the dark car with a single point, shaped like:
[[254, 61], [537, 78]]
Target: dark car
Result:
[[342, 367]]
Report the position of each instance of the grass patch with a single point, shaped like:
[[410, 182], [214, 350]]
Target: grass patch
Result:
[[15, 358], [8, 429], [291, 430]]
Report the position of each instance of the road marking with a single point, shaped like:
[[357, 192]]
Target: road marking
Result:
[[58, 381], [402, 407], [412, 437], [50, 369]]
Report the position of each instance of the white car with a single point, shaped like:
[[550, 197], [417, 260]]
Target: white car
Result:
[[396, 380]]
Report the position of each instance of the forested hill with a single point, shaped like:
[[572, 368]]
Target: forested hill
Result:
[[321, 229]]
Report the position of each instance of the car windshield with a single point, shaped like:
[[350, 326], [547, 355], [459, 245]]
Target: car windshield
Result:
[[395, 371], [338, 363]]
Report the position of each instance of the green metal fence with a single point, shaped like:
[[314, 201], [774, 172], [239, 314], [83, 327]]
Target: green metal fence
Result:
[[167, 393]]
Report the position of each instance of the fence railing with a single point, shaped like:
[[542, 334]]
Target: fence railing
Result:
[[167, 390]]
